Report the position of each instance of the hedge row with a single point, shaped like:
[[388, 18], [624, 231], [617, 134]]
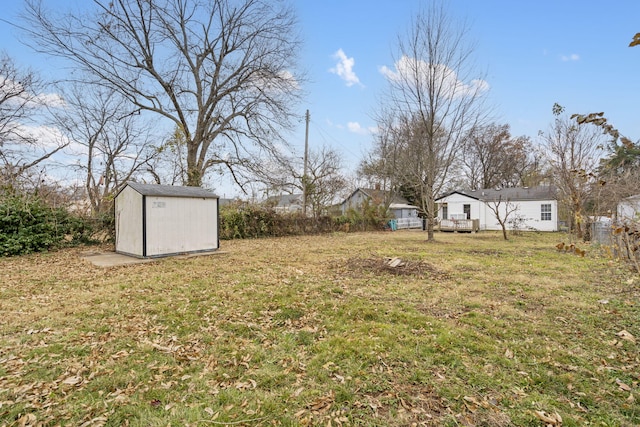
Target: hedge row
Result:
[[254, 221]]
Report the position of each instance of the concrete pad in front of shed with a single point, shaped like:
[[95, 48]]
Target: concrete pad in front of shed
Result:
[[113, 259]]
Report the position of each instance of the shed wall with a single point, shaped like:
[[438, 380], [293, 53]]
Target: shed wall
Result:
[[176, 225], [128, 217]]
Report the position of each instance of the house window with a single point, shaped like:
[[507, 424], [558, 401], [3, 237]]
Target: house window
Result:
[[445, 211], [545, 212], [467, 211]]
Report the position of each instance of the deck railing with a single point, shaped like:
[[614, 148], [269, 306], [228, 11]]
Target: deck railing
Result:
[[471, 225], [409, 223]]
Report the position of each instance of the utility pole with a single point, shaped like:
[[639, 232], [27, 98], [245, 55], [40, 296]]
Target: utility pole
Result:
[[306, 160]]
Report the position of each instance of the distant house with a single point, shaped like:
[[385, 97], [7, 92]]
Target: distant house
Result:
[[629, 208], [536, 208], [286, 203], [399, 207]]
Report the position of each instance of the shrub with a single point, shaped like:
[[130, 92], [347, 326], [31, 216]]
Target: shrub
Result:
[[28, 224], [253, 221]]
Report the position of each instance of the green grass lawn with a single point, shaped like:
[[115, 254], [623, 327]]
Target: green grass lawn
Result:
[[470, 331]]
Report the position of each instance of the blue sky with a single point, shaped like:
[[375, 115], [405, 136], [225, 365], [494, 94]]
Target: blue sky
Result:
[[532, 54]]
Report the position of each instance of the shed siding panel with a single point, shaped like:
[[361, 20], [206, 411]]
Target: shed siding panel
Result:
[[177, 225], [128, 212]]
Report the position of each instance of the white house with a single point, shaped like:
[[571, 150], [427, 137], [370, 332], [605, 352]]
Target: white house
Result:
[[161, 220], [534, 208], [629, 208]]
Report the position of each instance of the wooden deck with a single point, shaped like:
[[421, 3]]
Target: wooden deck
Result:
[[464, 225]]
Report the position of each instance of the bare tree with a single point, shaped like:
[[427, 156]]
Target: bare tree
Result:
[[435, 95], [222, 71], [502, 209], [22, 98], [493, 158], [619, 170], [379, 169], [573, 152], [324, 181], [107, 139]]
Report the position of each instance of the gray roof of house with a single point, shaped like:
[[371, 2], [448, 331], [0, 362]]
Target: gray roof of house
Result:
[[377, 194], [171, 190], [286, 199], [543, 192]]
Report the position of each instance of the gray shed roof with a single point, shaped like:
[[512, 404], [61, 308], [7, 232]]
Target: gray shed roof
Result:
[[170, 190], [543, 192]]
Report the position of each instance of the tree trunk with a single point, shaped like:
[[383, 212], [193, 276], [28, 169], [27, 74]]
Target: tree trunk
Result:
[[577, 215], [504, 230], [194, 174], [431, 215]]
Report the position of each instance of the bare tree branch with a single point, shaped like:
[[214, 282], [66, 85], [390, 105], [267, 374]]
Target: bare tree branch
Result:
[[573, 153], [22, 99], [222, 71], [502, 210], [108, 140], [324, 180]]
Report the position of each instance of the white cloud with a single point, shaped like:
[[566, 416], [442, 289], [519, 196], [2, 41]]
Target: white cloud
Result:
[[416, 71], [356, 127], [53, 100], [47, 137], [572, 57], [344, 68]]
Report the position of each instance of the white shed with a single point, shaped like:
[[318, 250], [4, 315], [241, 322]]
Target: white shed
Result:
[[162, 220]]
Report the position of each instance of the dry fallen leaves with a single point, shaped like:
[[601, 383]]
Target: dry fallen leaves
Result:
[[550, 420], [322, 403], [625, 335], [623, 386]]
